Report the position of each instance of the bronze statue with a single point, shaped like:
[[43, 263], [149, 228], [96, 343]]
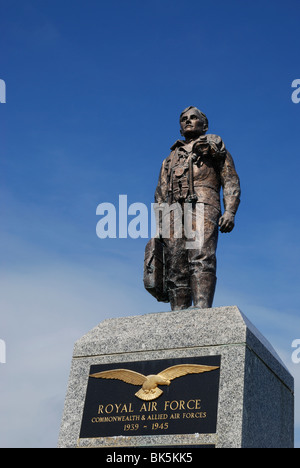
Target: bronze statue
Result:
[[190, 181]]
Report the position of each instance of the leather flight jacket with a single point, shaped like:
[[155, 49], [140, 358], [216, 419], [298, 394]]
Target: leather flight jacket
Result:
[[195, 172]]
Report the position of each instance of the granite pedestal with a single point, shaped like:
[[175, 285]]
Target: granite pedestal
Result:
[[248, 402]]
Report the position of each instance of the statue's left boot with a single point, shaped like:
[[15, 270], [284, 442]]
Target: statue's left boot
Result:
[[203, 287], [180, 298]]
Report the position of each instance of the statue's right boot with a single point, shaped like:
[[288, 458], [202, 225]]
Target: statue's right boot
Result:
[[203, 290], [180, 298]]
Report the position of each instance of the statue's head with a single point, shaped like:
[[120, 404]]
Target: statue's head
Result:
[[193, 123]]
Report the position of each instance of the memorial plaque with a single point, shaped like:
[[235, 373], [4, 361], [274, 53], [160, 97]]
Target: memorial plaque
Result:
[[170, 396]]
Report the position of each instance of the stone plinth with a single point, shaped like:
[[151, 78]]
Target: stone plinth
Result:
[[249, 398]]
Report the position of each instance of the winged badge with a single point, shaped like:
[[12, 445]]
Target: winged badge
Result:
[[150, 383]]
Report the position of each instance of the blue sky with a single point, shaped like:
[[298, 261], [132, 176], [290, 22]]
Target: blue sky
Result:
[[94, 93]]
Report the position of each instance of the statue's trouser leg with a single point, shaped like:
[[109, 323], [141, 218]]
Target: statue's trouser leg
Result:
[[177, 267], [202, 260], [191, 272], [178, 281]]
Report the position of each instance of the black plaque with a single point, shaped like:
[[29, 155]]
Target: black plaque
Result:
[[188, 406]]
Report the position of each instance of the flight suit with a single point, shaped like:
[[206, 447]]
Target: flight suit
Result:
[[190, 180]]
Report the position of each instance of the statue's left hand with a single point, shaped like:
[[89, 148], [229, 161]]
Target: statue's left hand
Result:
[[226, 222]]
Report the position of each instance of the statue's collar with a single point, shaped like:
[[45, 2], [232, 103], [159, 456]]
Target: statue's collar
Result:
[[181, 143], [177, 144]]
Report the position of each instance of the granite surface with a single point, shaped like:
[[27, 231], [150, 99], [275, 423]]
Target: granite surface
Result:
[[255, 406]]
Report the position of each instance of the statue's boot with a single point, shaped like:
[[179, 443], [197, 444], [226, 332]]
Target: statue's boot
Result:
[[180, 298], [203, 287]]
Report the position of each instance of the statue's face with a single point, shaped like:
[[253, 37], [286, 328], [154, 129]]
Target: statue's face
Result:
[[191, 124]]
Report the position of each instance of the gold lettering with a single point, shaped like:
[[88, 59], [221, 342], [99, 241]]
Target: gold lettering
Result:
[[118, 407], [154, 406], [130, 410], [189, 405], [143, 407], [156, 417], [109, 409], [124, 409], [181, 405], [150, 406], [198, 404], [175, 405]]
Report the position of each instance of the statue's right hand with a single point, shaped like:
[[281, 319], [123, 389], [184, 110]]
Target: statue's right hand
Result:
[[226, 222]]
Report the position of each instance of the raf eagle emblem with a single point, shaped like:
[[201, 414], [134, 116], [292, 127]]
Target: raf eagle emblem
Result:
[[150, 390]]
